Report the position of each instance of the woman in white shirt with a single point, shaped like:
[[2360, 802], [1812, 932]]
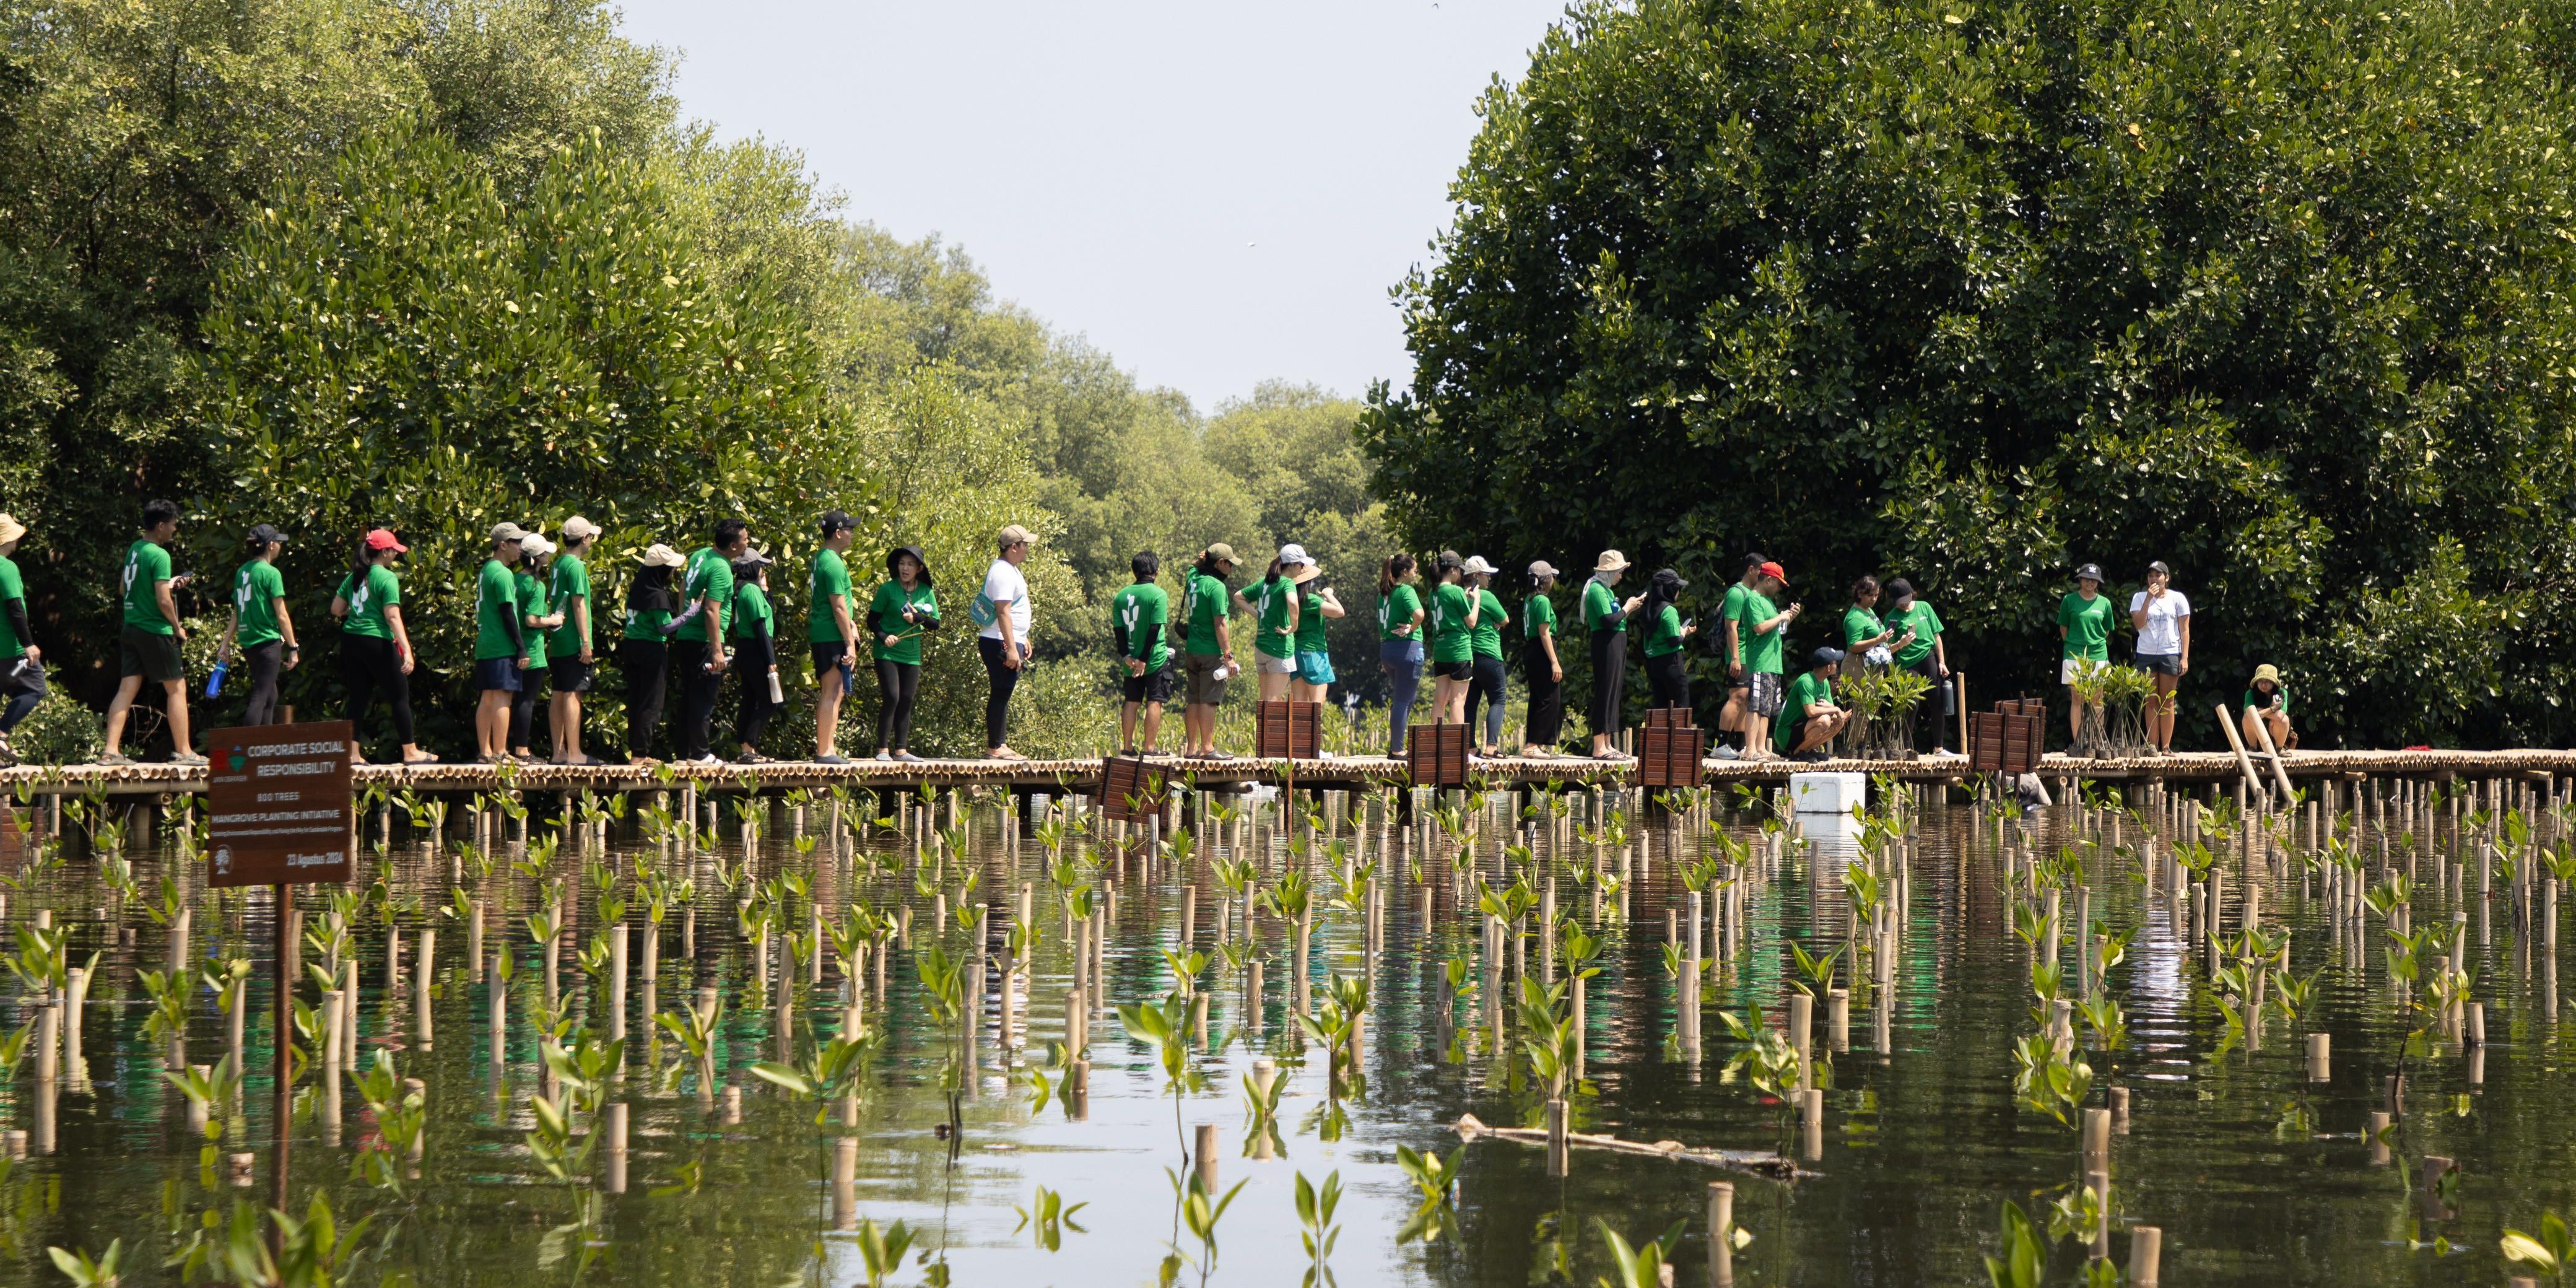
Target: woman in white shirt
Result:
[[2162, 617], [1003, 611]]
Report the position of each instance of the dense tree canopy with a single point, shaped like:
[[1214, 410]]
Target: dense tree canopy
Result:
[[1972, 292]]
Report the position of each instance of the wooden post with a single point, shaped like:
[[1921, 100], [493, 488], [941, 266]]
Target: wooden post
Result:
[[2243, 761]]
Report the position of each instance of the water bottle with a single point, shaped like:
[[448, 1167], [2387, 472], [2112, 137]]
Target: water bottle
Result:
[[777, 696], [215, 680]]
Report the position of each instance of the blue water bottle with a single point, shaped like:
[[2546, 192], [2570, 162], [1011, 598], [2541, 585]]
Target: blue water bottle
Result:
[[215, 680]]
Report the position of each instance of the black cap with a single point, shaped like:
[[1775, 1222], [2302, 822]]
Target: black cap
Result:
[[1824, 657], [837, 521], [2089, 572], [262, 534]]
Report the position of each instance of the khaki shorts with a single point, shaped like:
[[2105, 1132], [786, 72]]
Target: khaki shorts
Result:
[[1198, 671]]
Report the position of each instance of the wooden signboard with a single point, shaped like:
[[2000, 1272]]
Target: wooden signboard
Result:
[[278, 805], [1289, 730], [1131, 790], [2002, 743], [1669, 755], [1436, 755]]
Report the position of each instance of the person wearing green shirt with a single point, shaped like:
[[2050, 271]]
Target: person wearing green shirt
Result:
[[1316, 605], [1605, 622], [1919, 649], [752, 626], [905, 608], [698, 639], [2084, 621], [1272, 604], [1139, 615], [1730, 651], [1544, 723], [1399, 645], [1207, 648], [1667, 666], [1865, 637], [1453, 650], [375, 650], [501, 645], [1756, 636], [262, 632], [1485, 675], [644, 649], [1808, 717], [568, 646], [2267, 710], [22, 664], [831, 633], [539, 616], [148, 643]]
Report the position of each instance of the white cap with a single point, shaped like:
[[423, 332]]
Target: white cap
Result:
[[1292, 553], [535, 544], [577, 527], [1476, 563]]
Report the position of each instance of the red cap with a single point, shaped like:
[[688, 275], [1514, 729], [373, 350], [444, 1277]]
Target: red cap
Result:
[[1776, 573], [383, 539]]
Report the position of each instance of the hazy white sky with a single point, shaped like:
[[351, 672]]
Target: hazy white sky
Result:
[[1215, 193]]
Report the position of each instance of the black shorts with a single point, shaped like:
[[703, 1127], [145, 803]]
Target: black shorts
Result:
[[1454, 670], [827, 659], [568, 673], [496, 674], [153, 656], [1154, 686]]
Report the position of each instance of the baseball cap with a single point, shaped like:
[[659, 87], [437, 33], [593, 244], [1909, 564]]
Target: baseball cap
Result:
[[1824, 657], [2089, 572], [658, 555], [836, 521], [535, 544], [751, 557], [263, 533], [1221, 552], [1476, 563], [507, 531], [1776, 573], [1542, 568], [576, 528], [1015, 535], [1292, 553], [2159, 566], [384, 539]]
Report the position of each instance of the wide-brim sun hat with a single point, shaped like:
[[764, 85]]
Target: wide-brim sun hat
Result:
[[895, 556], [2267, 671], [1306, 572], [10, 529], [1610, 561]]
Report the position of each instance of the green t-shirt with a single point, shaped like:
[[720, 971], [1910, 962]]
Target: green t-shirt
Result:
[[2088, 625], [750, 609], [1270, 607], [256, 590], [146, 565], [1310, 621], [886, 611], [570, 580], [2280, 694], [710, 576], [831, 576], [1449, 642], [368, 601], [1731, 609], [532, 603], [1138, 614], [1209, 604], [1859, 624], [1926, 625], [1761, 651], [1491, 618], [1599, 606], [646, 623], [1536, 616], [496, 596], [10, 588], [1664, 633], [1396, 608], [1803, 694]]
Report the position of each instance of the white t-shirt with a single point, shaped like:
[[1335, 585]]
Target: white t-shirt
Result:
[[2163, 631], [1009, 592]]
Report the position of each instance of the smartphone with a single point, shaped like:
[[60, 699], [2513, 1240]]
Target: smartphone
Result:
[[1689, 622]]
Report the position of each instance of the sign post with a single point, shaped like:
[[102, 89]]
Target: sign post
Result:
[[279, 814]]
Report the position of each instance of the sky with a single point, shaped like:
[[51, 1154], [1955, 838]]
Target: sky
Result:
[[1214, 193]]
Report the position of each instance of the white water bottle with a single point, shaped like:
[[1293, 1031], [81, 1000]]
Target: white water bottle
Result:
[[777, 697]]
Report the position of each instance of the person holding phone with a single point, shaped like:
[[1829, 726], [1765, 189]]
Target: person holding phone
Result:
[[375, 650], [568, 647], [1545, 722], [1207, 648], [1316, 605], [1605, 628], [752, 629], [537, 617], [905, 609], [148, 642], [22, 664], [1667, 666], [1485, 655], [1761, 630], [1399, 645], [263, 632], [1920, 650], [1865, 637]]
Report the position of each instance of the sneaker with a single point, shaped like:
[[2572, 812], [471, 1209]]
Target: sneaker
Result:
[[831, 760], [906, 757], [751, 758], [1813, 757], [1725, 752], [116, 758], [1940, 751]]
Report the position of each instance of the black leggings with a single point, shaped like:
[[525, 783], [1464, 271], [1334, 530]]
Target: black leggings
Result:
[[997, 702], [1609, 682], [1545, 722], [368, 663], [752, 659], [897, 684], [1669, 677], [1485, 684], [523, 705], [695, 723], [264, 661], [647, 664]]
